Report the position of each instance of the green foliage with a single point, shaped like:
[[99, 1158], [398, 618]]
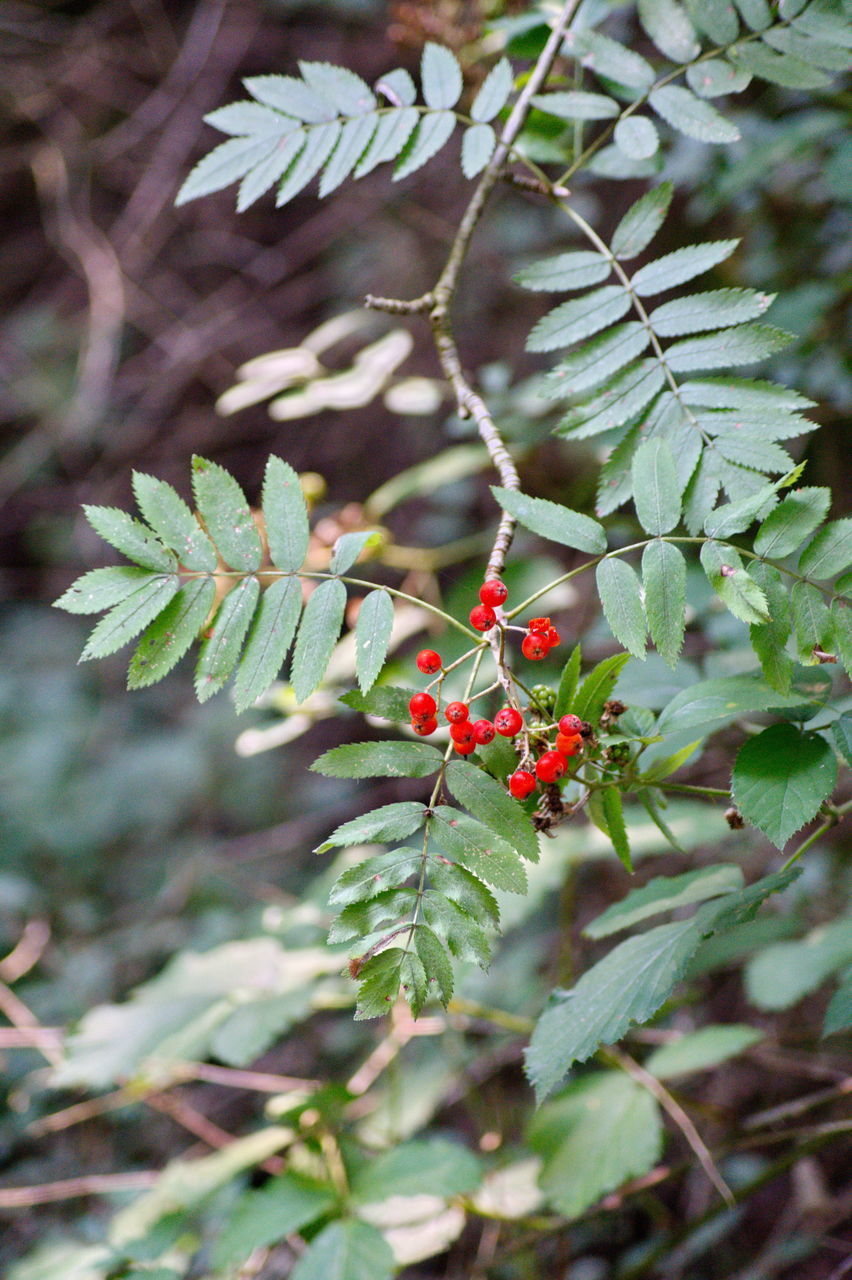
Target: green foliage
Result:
[[780, 779]]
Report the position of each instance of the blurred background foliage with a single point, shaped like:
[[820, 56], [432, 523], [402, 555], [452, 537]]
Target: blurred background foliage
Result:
[[134, 831]]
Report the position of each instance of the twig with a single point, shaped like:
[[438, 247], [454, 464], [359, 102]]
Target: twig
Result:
[[23, 1019], [27, 952], [96, 1184]]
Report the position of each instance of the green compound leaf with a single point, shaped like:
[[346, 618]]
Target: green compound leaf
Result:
[[550, 520], [280, 159], [388, 702], [349, 546], [692, 116], [173, 522], [793, 520], [102, 588], [264, 1217], [712, 310], [577, 105], [347, 92], [656, 491], [596, 360], [769, 639], [714, 78], [744, 344], [436, 962], [374, 876], [130, 616], [621, 599], [372, 636], [318, 633], [382, 912], [221, 648], [441, 77], [465, 890], [812, 621], [432, 132], [243, 118], [700, 1050], [390, 822], [781, 778], [494, 92], [171, 634], [667, 24], [291, 96], [479, 849], [132, 538], [666, 893], [664, 588], [600, 1131], [320, 142], [346, 1250], [735, 517], [226, 514], [637, 137], [478, 146], [613, 813], [683, 264], [455, 926], [597, 688], [286, 516], [830, 552], [642, 221], [831, 57], [380, 760], [492, 805], [225, 164], [564, 272], [710, 704], [391, 135], [755, 13], [610, 60], [718, 21], [619, 401], [732, 583], [568, 684], [434, 1167], [777, 68], [579, 318], [269, 639]]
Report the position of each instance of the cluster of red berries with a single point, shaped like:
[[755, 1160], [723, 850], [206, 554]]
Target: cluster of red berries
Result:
[[552, 764], [540, 638], [492, 594], [466, 735]]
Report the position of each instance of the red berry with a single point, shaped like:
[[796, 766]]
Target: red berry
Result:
[[508, 722], [424, 727], [570, 725], [534, 647], [552, 637], [465, 748], [538, 626], [462, 731], [428, 661], [482, 617], [550, 766], [483, 731], [493, 592], [521, 784], [422, 706], [569, 744], [456, 712]]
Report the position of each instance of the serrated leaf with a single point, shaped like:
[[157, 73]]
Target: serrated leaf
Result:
[[102, 588], [240, 119], [265, 1216], [478, 145], [620, 400], [493, 805], [822, 19], [664, 588], [745, 344], [642, 221], [346, 1250], [655, 487], [132, 538], [389, 702], [609, 59], [682, 264], [577, 105], [732, 583], [759, 455], [318, 633], [564, 272], [579, 318], [665, 766], [392, 133], [389, 822], [493, 93], [597, 688], [225, 164], [379, 760], [479, 849], [430, 1167], [269, 639], [292, 96], [432, 132], [780, 779], [320, 141], [666, 893], [262, 176], [435, 961], [465, 890], [221, 648], [811, 620], [769, 639], [285, 515], [841, 615], [637, 137], [710, 704], [171, 634], [595, 361], [173, 522], [372, 636], [550, 520], [349, 546], [130, 616], [398, 87], [712, 310], [831, 57], [346, 91], [668, 25], [701, 492], [621, 600], [668, 421], [747, 395], [568, 684], [700, 1050], [374, 875], [355, 137], [755, 13], [716, 18], [226, 514], [441, 77], [601, 1131], [381, 912], [464, 937], [713, 78], [777, 68], [379, 985], [830, 552], [614, 816], [692, 116]]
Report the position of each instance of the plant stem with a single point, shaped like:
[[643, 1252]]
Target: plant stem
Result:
[[832, 820]]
